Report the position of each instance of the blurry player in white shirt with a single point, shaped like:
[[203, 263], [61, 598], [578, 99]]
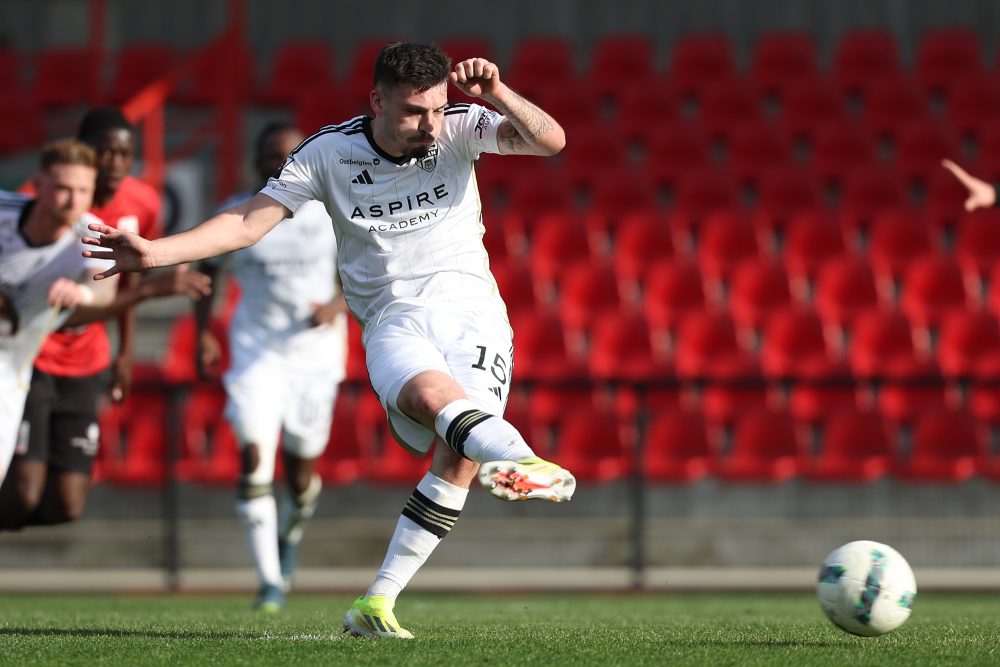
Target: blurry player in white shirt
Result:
[[41, 271], [400, 188], [288, 343]]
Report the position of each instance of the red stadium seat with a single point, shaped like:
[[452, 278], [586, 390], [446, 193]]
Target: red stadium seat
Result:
[[845, 287], [946, 448], [856, 448], [754, 147], [862, 57], [590, 444], [892, 100], [228, 73], [807, 104], [618, 61], [783, 191], [920, 146], [781, 58], [968, 346], [179, 363], [214, 449], [973, 102], [556, 240], [724, 241], [932, 287], [697, 60], [538, 61], [621, 350], [643, 110], [674, 149], [977, 247], [881, 345], [642, 241], [389, 463], [898, 236], [516, 286], [622, 360], [618, 192], [837, 148], [671, 291], [66, 77], [793, 345], [11, 73], [342, 460], [759, 287], [867, 191], [589, 157], [299, 66], [724, 104], [707, 348], [576, 107], [587, 292], [944, 205], [811, 239], [945, 54], [677, 448], [540, 353], [135, 67], [357, 368], [134, 434], [766, 448], [21, 124]]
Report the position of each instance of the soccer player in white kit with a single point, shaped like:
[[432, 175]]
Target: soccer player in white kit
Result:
[[288, 343], [41, 271], [401, 190]]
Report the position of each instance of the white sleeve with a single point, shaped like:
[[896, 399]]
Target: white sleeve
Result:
[[300, 178], [81, 229], [478, 129]]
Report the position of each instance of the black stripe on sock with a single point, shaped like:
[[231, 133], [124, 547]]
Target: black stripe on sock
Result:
[[432, 517], [460, 428]]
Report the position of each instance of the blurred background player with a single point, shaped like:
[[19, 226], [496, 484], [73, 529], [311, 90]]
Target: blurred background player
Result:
[[41, 271], [288, 343], [401, 189], [52, 467]]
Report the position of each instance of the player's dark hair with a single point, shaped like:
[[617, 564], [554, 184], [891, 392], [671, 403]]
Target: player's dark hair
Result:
[[269, 130], [422, 66], [99, 120], [68, 151]]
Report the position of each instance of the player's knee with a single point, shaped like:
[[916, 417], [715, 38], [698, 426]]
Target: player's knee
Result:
[[425, 400]]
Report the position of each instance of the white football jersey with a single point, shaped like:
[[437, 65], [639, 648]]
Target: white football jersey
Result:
[[408, 231], [27, 272]]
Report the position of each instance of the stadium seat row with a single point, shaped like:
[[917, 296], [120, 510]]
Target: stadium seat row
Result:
[[759, 444]]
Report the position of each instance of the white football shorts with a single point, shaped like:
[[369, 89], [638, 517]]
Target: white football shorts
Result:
[[473, 346], [270, 390]]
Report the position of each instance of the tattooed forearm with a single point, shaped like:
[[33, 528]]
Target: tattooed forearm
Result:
[[527, 127]]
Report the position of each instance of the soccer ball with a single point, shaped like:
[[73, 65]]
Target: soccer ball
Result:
[[866, 588]]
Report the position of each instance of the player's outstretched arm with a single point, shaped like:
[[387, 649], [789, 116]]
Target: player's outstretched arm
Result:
[[232, 229], [981, 193], [527, 129]]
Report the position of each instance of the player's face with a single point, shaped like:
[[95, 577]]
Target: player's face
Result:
[[115, 153], [66, 191], [275, 150], [410, 120]]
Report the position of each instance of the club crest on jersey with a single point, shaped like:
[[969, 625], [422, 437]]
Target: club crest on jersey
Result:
[[429, 161]]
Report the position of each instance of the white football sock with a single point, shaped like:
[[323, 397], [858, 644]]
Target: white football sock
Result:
[[478, 435], [260, 524], [429, 514]]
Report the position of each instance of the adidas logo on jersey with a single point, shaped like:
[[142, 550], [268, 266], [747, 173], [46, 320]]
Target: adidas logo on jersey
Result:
[[364, 178]]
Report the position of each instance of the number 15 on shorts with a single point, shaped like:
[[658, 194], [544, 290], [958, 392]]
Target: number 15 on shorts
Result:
[[499, 367]]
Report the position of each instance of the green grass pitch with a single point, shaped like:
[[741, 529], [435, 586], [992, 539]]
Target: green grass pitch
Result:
[[529, 629]]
